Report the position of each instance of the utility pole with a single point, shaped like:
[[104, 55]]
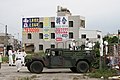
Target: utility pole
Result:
[[101, 51], [118, 41], [6, 39], [118, 36]]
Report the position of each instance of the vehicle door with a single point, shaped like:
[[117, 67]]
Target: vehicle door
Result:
[[56, 59]]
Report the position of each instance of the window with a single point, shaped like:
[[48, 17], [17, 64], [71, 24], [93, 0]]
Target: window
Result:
[[40, 35], [70, 23], [52, 24], [83, 36], [98, 36], [29, 36], [52, 46], [56, 53], [118, 31], [41, 25], [52, 35], [83, 23], [41, 47], [70, 35]]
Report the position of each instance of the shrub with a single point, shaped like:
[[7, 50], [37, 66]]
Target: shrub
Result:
[[103, 72], [5, 59]]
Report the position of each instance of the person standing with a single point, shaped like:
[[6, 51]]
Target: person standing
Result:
[[86, 44], [19, 57], [73, 44], [23, 58], [15, 54], [10, 53]]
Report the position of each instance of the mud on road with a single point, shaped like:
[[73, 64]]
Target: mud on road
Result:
[[10, 73]]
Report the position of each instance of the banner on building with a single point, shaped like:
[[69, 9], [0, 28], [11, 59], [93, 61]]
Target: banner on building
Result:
[[31, 30], [61, 31], [46, 29], [30, 22]]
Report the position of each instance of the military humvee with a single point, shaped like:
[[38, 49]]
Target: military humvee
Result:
[[76, 60]]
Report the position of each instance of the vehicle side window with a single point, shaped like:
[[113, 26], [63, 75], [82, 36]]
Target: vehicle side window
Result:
[[56, 53]]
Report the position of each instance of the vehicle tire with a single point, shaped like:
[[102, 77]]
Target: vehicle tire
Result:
[[36, 67], [28, 67], [82, 66], [73, 69]]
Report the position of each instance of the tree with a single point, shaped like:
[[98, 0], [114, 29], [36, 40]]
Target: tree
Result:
[[111, 40]]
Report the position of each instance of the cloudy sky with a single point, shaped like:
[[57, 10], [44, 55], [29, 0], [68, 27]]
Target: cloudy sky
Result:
[[101, 15]]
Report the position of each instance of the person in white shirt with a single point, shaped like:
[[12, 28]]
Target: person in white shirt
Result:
[[15, 53], [19, 57], [23, 58], [88, 45], [73, 44], [10, 53]]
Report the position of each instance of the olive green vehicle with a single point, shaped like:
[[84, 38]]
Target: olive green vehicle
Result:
[[79, 61]]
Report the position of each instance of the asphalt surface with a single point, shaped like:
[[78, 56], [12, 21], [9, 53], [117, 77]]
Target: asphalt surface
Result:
[[10, 73]]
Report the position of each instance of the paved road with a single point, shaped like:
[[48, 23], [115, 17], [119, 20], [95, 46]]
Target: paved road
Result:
[[10, 73]]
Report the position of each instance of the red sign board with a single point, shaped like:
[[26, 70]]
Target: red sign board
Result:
[[31, 29], [58, 39], [61, 30]]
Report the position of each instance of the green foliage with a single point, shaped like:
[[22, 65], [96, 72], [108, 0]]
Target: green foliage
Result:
[[97, 53], [111, 40], [104, 72], [96, 48], [97, 45], [95, 64], [5, 59]]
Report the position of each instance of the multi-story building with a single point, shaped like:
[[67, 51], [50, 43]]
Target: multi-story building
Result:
[[7, 41], [93, 35], [40, 33]]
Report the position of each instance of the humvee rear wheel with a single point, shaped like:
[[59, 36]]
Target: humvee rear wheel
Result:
[[36, 67], [73, 69], [82, 66]]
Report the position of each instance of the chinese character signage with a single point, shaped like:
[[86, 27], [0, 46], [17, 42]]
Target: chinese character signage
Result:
[[61, 23], [30, 22], [46, 29]]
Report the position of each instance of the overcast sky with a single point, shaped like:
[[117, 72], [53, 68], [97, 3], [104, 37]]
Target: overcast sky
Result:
[[101, 15]]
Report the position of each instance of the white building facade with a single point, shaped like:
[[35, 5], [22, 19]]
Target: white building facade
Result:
[[39, 33]]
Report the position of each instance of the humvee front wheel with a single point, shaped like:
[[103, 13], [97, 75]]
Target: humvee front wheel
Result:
[[28, 67], [82, 66], [36, 67]]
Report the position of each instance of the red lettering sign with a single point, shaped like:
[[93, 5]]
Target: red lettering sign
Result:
[[31, 29]]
